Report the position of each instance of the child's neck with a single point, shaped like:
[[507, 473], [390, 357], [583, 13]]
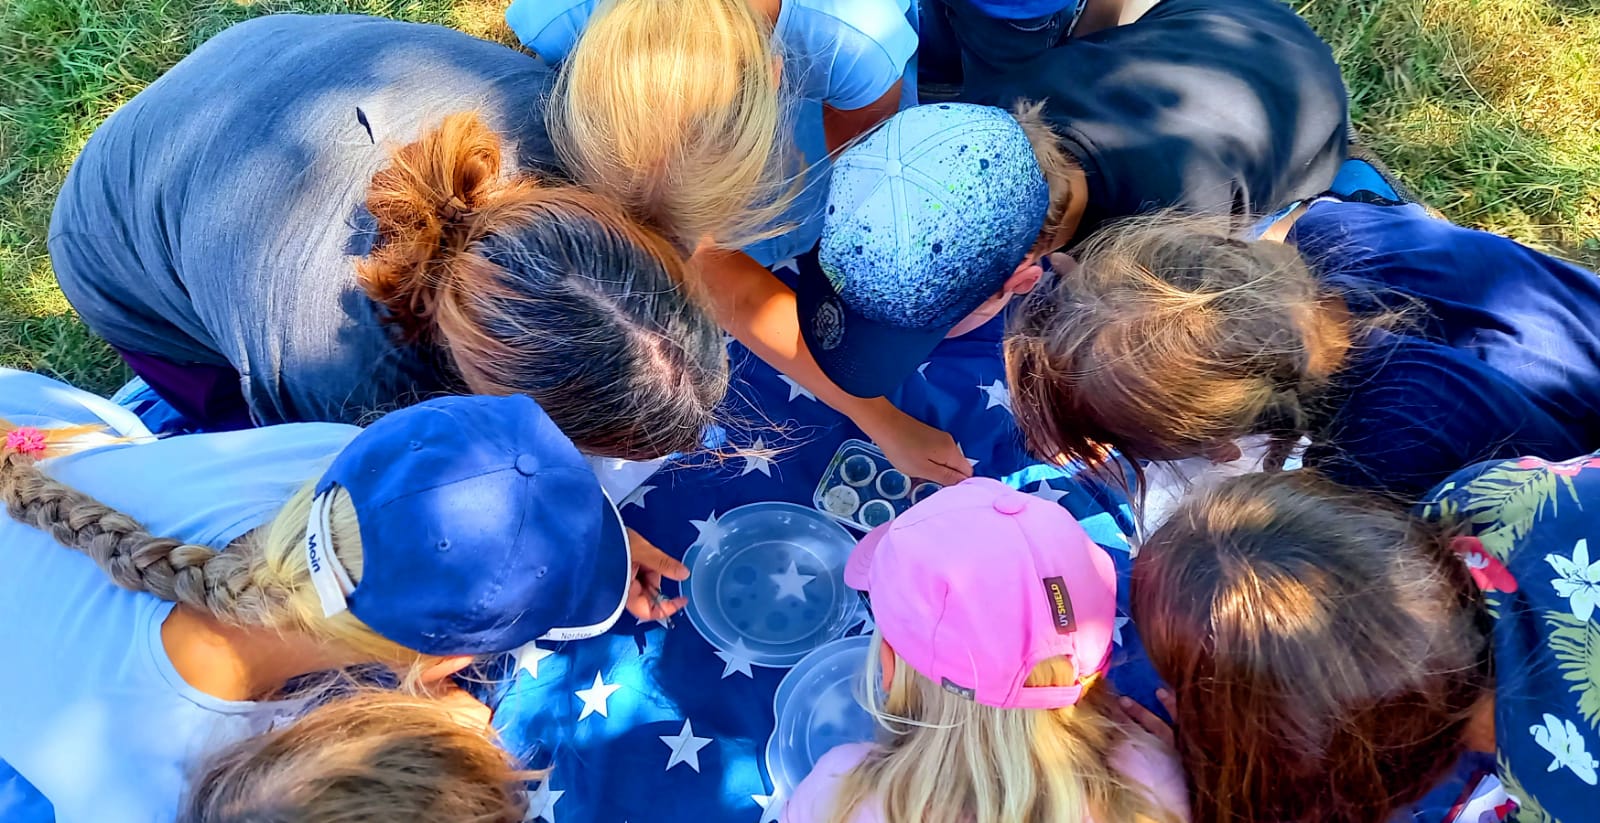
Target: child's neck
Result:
[[233, 662], [1479, 734]]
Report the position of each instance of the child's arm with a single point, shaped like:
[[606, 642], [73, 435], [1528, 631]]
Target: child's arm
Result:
[[840, 126], [760, 312]]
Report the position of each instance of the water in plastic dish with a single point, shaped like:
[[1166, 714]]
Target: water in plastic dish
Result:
[[767, 585], [818, 707]]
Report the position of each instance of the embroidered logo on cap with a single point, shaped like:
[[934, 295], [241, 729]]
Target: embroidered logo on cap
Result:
[[1060, 605], [955, 688], [828, 325]]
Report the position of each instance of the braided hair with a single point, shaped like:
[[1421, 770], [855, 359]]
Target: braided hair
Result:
[[260, 580]]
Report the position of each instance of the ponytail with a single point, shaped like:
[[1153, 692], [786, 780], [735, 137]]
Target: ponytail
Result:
[[531, 288], [261, 580], [675, 109]]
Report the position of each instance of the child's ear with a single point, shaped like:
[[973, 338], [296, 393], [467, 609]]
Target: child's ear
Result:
[[444, 667], [886, 665], [1024, 278]]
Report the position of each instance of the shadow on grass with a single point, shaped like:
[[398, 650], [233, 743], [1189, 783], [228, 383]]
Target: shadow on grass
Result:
[[1484, 108]]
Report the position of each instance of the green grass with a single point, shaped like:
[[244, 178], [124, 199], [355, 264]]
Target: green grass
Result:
[[1490, 109]]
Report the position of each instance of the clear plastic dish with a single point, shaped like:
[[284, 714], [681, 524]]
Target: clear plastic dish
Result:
[[767, 584], [862, 490], [818, 706]]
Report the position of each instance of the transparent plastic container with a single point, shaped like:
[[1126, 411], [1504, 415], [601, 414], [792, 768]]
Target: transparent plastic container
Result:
[[862, 490], [818, 706], [767, 585]]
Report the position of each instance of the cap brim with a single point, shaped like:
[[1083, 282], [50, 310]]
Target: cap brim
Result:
[[862, 356], [611, 572], [858, 569]]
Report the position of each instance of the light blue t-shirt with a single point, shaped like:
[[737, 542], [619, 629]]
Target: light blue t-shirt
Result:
[[839, 53], [95, 717]]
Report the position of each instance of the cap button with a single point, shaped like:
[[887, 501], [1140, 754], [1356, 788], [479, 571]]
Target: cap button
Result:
[[1011, 503], [527, 464]]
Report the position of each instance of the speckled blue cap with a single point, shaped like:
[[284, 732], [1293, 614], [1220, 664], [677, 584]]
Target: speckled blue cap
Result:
[[926, 218]]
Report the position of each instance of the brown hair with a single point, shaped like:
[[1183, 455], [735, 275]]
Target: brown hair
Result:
[[1169, 337], [550, 291], [1324, 646], [371, 757], [1057, 166]]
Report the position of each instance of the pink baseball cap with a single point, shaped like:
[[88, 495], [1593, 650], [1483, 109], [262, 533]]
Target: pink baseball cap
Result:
[[979, 583]]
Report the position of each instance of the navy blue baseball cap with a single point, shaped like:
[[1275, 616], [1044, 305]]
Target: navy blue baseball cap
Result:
[[482, 529], [927, 218]]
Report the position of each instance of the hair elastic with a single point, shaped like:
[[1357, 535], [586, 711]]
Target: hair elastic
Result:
[[26, 440], [328, 575]]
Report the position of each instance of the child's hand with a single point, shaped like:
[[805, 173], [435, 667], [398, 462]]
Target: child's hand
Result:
[[1147, 720], [650, 564], [918, 449]]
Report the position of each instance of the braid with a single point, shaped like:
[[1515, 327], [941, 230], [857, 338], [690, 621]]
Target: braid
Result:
[[197, 576]]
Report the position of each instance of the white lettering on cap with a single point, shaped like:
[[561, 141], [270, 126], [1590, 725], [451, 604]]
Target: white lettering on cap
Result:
[[328, 575]]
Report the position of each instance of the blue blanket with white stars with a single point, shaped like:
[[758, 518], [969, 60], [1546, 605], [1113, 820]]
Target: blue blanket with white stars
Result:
[[652, 724]]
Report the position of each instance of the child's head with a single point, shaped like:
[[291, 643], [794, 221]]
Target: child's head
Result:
[[523, 287], [674, 110], [927, 221], [457, 527], [374, 756], [1323, 645], [1170, 339], [995, 614]]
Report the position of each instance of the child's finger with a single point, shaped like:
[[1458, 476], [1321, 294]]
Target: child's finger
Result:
[[655, 561], [1168, 701], [1147, 720], [668, 608], [945, 475]]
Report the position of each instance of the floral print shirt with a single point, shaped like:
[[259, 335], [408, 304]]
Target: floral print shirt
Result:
[[1531, 536]]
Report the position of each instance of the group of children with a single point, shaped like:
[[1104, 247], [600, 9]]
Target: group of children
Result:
[[318, 222]]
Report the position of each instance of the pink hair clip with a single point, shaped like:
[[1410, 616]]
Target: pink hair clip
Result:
[[26, 440]]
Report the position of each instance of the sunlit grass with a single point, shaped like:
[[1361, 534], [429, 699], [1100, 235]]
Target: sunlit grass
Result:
[[1489, 108]]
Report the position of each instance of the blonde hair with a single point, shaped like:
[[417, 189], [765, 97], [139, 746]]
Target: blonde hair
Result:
[[377, 756], [952, 760], [1057, 166], [261, 580], [674, 110]]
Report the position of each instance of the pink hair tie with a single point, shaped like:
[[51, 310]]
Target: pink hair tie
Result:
[[26, 440]]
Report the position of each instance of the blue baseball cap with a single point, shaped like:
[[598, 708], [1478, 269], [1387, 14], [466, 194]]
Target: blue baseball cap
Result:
[[482, 529], [927, 217]]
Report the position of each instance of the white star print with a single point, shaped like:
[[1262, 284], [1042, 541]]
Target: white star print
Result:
[[754, 461], [997, 395], [637, 497], [1116, 630], [736, 659], [528, 658], [594, 698], [542, 803], [790, 264], [923, 370], [795, 389], [771, 806], [685, 747], [705, 530], [1048, 492], [792, 583]]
